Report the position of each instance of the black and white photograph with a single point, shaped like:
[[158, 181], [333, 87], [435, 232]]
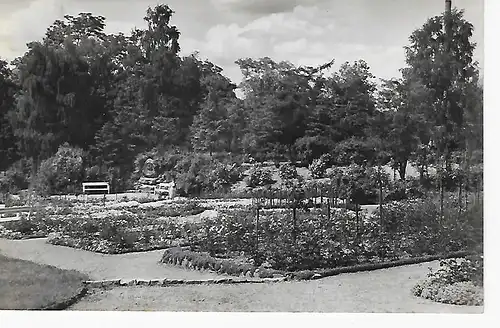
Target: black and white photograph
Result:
[[277, 156]]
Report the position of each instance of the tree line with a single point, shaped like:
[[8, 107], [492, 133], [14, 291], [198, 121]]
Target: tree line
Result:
[[117, 96]]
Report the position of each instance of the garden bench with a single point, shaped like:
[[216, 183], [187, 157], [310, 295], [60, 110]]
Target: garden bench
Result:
[[17, 210], [95, 186]]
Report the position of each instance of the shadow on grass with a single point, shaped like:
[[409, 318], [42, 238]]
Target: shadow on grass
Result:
[[25, 285]]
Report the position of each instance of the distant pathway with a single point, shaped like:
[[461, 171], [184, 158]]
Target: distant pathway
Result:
[[98, 266]]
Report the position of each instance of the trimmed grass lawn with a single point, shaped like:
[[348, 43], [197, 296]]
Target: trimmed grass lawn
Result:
[[26, 285]]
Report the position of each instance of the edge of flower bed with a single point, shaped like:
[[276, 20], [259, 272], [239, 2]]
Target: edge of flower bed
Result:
[[318, 274], [68, 302], [110, 283], [200, 261], [65, 241]]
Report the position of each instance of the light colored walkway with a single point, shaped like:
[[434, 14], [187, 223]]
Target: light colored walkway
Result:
[[98, 266], [386, 290]]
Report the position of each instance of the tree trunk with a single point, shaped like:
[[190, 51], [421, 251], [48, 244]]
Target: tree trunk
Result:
[[294, 223], [460, 196], [356, 206], [257, 230], [328, 209], [441, 193], [380, 198]]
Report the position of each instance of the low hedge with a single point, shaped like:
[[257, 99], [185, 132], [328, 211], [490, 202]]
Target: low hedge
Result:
[[308, 274], [198, 261]]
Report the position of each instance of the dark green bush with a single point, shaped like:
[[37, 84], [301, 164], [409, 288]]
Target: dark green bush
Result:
[[222, 176], [353, 150], [61, 173], [16, 177], [259, 176]]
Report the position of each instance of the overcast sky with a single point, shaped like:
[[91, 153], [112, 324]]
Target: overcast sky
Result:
[[305, 32]]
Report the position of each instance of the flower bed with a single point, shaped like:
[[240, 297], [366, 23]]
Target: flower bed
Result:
[[312, 240], [203, 261], [455, 282], [408, 229], [106, 231], [170, 210], [122, 234]]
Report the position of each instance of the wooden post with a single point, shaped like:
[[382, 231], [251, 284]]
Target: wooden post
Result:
[[328, 209], [380, 195], [257, 230], [460, 195]]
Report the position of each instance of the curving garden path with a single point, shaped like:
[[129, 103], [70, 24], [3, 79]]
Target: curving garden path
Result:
[[142, 265], [386, 290]]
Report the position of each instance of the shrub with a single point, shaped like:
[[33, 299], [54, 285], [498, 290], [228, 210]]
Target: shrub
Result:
[[359, 184], [223, 176], [191, 174], [318, 168], [452, 271], [287, 171], [259, 176], [16, 177], [407, 189], [14, 200], [62, 172], [353, 150], [454, 282]]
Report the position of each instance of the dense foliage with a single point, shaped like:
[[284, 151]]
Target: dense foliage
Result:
[[122, 98]]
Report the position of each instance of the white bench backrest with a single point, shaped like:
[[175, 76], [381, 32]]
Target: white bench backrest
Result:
[[96, 186]]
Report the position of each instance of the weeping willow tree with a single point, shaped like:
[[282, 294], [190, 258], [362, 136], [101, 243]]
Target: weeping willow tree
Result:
[[61, 97]]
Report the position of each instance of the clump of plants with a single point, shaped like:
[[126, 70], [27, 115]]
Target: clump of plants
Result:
[[259, 176], [319, 166], [287, 171], [457, 282], [62, 172], [223, 176]]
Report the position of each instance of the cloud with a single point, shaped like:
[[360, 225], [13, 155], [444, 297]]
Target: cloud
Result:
[[29, 19], [28, 23], [306, 35], [257, 7]]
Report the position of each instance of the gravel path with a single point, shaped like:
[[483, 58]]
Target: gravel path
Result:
[[386, 290], [98, 266]]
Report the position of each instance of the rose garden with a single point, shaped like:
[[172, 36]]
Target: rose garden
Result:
[[123, 161], [282, 225]]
